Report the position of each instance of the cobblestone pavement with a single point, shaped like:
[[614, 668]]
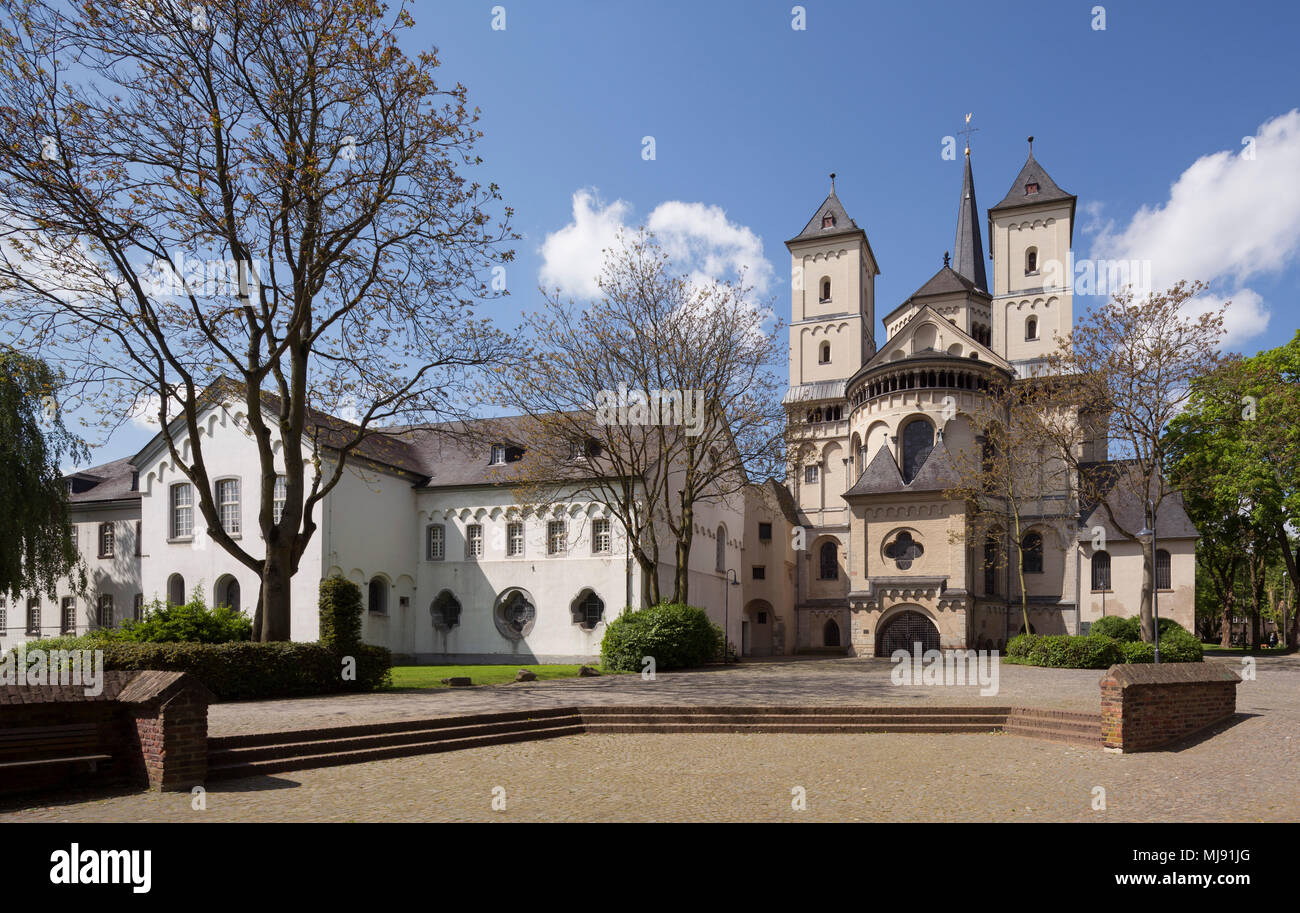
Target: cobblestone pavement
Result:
[[814, 681], [1245, 772]]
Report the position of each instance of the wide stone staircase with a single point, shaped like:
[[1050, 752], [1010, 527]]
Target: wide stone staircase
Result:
[[274, 752]]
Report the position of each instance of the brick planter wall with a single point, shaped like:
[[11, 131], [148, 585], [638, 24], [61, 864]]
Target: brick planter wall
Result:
[[1145, 706]]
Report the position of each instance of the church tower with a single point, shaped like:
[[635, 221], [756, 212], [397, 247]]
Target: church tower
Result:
[[1030, 233], [832, 298]]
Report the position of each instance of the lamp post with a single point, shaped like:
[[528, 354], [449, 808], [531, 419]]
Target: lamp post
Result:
[[729, 581], [1145, 534]]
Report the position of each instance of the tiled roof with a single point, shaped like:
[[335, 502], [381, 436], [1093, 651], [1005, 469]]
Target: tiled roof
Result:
[[108, 482], [1172, 520], [883, 477], [840, 221], [1032, 173], [967, 248]]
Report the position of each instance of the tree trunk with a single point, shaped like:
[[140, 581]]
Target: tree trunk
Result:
[[1148, 580], [682, 570], [274, 598], [1229, 609]]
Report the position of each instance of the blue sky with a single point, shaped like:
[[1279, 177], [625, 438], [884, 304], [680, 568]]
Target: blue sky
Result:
[[749, 116]]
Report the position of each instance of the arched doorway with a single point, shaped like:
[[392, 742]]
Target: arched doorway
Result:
[[903, 631], [226, 593], [830, 633]]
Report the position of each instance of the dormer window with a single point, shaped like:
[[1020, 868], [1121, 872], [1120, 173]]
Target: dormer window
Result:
[[1031, 187], [828, 221], [498, 454]]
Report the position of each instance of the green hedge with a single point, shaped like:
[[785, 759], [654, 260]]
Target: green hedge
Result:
[[340, 613], [256, 671], [1064, 651], [1130, 629], [1099, 651], [677, 636]]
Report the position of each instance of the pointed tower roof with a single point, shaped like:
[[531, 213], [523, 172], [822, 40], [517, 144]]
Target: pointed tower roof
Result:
[[968, 248], [1032, 186], [831, 220]]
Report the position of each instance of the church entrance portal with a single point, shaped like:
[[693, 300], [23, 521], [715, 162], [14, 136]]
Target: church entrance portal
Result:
[[903, 631]]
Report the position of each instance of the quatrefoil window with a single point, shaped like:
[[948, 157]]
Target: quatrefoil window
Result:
[[904, 550]]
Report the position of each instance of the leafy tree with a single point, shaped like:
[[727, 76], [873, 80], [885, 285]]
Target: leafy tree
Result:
[[36, 547], [248, 202], [1134, 361]]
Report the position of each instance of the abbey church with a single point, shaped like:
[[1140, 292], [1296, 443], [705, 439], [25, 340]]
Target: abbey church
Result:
[[885, 561]]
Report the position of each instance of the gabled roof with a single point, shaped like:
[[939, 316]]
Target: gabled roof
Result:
[[1172, 520], [882, 477], [968, 248], [927, 314], [945, 282], [1033, 173], [841, 224]]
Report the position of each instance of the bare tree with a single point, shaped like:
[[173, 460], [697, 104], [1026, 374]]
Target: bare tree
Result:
[[661, 390], [306, 169], [1134, 361]]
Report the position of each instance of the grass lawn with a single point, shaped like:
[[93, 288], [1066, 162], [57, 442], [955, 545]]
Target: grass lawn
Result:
[[432, 676]]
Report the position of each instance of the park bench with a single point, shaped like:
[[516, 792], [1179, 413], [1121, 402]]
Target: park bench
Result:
[[75, 745]]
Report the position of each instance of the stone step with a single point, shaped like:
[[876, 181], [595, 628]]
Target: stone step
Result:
[[429, 724], [333, 741], [226, 771], [804, 711], [790, 727], [1090, 737], [995, 721]]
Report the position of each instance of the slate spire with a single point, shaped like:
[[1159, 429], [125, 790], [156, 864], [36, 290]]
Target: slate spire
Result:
[[969, 249]]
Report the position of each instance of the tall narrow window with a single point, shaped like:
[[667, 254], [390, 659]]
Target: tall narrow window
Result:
[[826, 290], [137, 607], [228, 505], [918, 441], [1031, 261], [279, 495], [176, 589], [514, 539], [378, 596], [474, 541], [138, 542], [72, 536], [825, 354], [600, 538], [810, 475], [104, 617], [106, 540], [1031, 548], [68, 616], [33, 616], [721, 545], [557, 537], [990, 566], [435, 542], [829, 559], [1100, 571], [182, 511], [1031, 328], [1163, 576], [4, 617]]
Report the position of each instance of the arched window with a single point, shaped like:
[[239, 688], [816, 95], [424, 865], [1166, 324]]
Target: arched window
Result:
[[1100, 571], [1031, 328], [1031, 261], [918, 441], [227, 593], [826, 290], [176, 589], [824, 356], [1031, 550], [445, 610], [831, 633], [721, 547], [829, 560], [1163, 577], [378, 596]]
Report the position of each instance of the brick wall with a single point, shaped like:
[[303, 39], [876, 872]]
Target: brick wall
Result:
[[1145, 706]]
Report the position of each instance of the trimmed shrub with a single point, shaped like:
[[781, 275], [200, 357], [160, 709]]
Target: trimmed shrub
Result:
[[340, 613], [1178, 645], [1122, 629], [1139, 651], [1064, 651], [247, 671], [677, 636]]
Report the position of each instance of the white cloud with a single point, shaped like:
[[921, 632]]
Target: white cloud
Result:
[[1230, 217], [702, 242]]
